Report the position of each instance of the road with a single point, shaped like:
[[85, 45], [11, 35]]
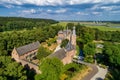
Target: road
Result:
[[92, 73]]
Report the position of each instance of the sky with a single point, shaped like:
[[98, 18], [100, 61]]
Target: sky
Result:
[[105, 10]]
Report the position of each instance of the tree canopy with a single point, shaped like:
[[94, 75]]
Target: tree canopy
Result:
[[42, 52], [19, 23], [112, 53], [64, 43], [10, 70], [51, 69]]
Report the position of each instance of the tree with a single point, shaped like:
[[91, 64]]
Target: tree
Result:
[[15, 71], [112, 53], [51, 69], [10, 70], [89, 49], [42, 52], [64, 43], [70, 25], [89, 52], [85, 34]]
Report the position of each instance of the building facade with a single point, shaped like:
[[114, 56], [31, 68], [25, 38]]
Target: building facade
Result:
[[25, 54]]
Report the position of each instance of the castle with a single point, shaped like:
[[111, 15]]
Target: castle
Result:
[[67, 53], [25, 54]]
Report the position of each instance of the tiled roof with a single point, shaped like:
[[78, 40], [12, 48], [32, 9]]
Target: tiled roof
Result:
[[60, 32], [60, 54], [69, 46], [27, 48]]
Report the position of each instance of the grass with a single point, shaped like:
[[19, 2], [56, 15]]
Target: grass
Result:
[[81, 74], [63, 24], [104, 28], [100, 27], [113, 25], [52, 47]]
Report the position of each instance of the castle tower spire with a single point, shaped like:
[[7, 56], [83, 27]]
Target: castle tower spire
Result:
[[74, 32], [74, 36]]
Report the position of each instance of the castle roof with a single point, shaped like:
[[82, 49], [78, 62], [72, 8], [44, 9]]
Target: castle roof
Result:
[[27, 48], [60, 54], [60, 32], [69, 46]]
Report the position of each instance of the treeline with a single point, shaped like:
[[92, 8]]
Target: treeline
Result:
[[113, 36], [87, 34], [18, 23], [18, 38]]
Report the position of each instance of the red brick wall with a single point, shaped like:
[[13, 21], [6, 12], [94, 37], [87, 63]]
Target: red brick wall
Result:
[[69, 57]]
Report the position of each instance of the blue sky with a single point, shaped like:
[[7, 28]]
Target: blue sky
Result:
[[62, 9]]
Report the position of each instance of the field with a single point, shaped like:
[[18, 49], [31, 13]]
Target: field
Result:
[[64, 23], [109, 27], [104, 28]]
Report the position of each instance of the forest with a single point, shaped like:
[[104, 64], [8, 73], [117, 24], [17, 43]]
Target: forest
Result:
[[19, 23]]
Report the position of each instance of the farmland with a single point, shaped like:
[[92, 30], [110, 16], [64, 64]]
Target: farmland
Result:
[[100, 26]]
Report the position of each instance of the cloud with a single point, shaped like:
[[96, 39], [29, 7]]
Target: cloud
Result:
[[81, 13], [8, 6], [96, 13], [102, 7], [30, 11], [56, 2], [115, 12], [61, 11]]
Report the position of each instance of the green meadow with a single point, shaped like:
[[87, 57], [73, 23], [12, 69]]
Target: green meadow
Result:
[[109, 27], [104, 28]]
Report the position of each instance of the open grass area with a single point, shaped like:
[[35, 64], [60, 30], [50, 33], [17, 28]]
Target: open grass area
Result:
[[104, 28], [111, 26], [52, 47], [65, 23], [114, 25]]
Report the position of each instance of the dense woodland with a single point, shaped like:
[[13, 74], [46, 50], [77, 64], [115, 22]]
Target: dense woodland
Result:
[[18, 23], [15, 32]]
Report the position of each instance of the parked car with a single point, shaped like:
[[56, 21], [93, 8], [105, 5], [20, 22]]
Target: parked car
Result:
[[80, 58]]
